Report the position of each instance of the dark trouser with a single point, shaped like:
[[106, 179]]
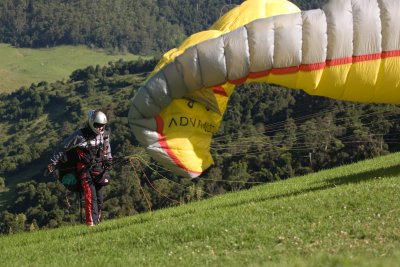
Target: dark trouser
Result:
[[92, 195]]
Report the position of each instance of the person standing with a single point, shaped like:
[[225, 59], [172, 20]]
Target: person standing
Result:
[[87, 152]]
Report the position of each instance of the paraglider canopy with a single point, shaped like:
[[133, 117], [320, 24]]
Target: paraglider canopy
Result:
[[348, 50]]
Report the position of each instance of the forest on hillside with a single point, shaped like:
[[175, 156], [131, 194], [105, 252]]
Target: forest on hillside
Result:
[[135, 26], [269, 133]]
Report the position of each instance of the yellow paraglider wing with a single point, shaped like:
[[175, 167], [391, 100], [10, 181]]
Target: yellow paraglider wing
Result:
[[348, 50]]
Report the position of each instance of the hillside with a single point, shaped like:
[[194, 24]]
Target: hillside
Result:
[[24, 66], [140, 27], [346, 216]]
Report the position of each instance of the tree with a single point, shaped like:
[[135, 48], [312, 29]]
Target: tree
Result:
[[12, 223]]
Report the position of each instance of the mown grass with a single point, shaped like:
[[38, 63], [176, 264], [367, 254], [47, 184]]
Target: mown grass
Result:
[[24, 66], [347, 216]]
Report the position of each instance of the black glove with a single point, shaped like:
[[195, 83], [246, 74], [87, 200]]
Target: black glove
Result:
[[51, 167]]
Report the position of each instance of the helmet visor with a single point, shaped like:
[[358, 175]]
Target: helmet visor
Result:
[[98, 125]]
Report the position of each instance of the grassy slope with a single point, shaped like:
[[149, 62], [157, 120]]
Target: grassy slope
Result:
[[23, 66], [347, 216]]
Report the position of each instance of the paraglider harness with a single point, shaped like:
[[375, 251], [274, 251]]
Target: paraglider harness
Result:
[[93, 161], [95, 164]]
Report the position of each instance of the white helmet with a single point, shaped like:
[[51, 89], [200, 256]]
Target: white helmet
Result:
[[97, 121]]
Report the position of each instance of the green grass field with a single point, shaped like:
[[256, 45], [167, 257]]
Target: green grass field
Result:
[[347, 216], [24, 66]]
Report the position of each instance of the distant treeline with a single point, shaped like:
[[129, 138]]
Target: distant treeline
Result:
[[136, 26]]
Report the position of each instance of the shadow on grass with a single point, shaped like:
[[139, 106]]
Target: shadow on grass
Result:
[[367, 175], [329, 183]]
